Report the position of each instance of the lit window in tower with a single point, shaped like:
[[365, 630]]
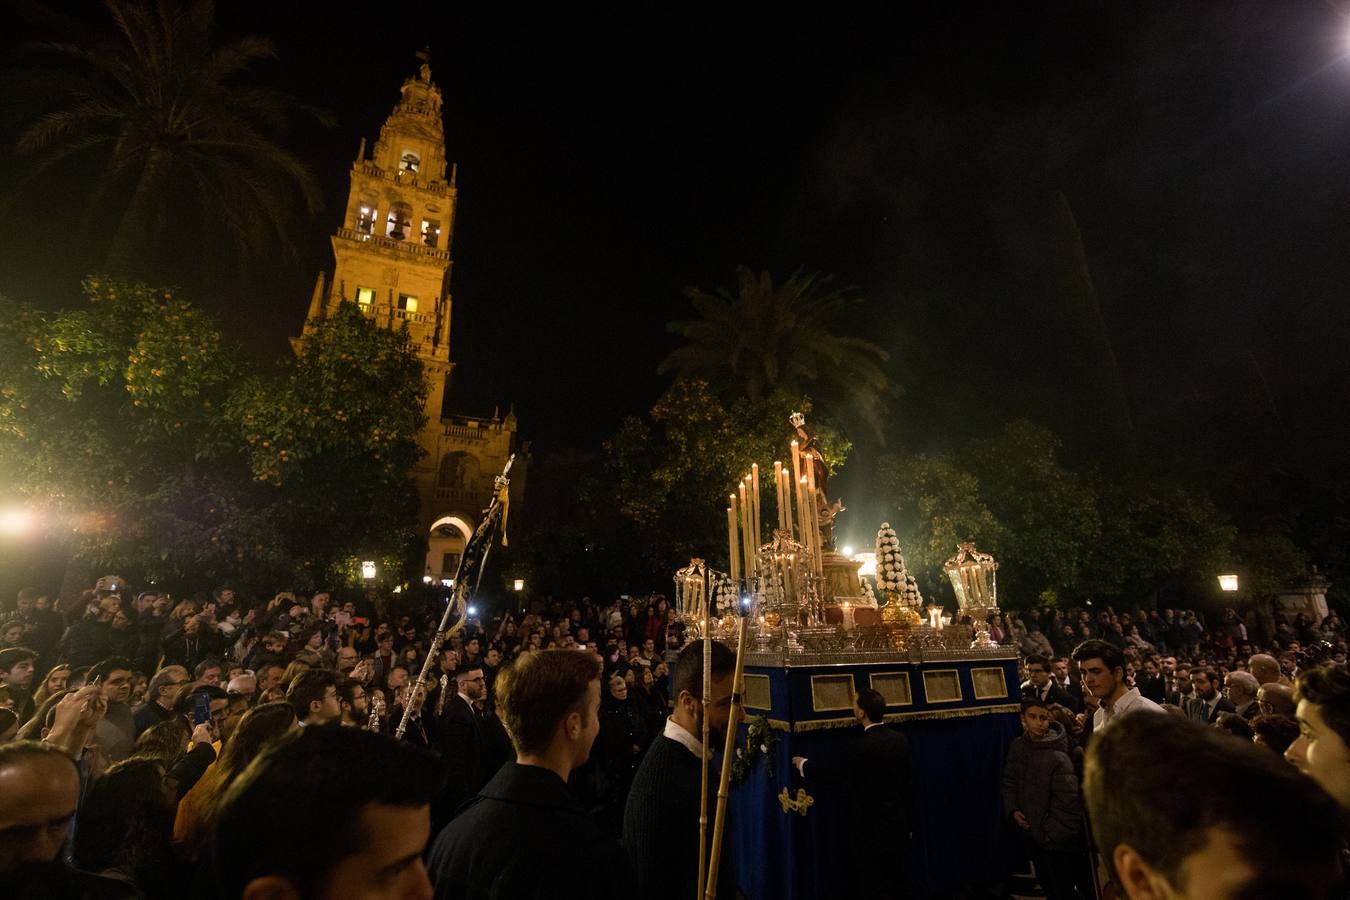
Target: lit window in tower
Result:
[[431, 233], [365, 219], [406, 303], [365, 296]]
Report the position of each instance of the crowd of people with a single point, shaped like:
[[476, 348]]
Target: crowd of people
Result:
[[152, 746]]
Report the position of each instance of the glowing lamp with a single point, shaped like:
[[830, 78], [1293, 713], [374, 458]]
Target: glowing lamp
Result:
[[1228, 582], [518, 585], [368, 569], [16, 521]]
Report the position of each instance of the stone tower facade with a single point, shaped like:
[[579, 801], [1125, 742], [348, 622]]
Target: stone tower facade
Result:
[[392, 259]]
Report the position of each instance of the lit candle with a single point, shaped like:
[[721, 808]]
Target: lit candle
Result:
[[731, 540], [747, 536], [778, 493], [758, 519], [787, 503], [848, 616], [796, 494]]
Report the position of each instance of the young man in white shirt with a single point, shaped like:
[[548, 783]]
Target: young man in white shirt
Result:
[[1102, 667]]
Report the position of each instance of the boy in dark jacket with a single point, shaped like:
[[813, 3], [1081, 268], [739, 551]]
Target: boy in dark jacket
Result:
[[1041, 795]]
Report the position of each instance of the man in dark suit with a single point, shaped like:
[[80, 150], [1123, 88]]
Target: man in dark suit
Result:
[[1042, 686], [526, 836], [457, 736], [874, 770], [1150, 682], [1071, 685], [1209, 702]]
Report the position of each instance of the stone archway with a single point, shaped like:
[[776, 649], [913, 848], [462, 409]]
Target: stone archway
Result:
[[446, 540]]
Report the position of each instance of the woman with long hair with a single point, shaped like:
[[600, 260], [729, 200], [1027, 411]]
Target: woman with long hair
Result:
[[53, 683], [294, 671], [259, 727], [124, 826]]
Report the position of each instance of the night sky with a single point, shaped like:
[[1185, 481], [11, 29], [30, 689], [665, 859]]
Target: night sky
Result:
[[1126, 221]]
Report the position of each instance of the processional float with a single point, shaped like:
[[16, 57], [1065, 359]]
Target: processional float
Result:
[[811, 628]]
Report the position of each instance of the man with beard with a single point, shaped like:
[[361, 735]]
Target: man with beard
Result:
[[660, 820], [39, 791]]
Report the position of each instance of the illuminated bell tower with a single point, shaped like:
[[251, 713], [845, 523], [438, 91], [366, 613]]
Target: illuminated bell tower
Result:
[[392, 251], [392, 259]]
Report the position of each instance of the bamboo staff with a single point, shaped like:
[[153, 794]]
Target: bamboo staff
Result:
[[707, 706], [728, 751]]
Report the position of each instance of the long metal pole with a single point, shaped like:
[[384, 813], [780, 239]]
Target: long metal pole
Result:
[[707, 704], [728, 751]]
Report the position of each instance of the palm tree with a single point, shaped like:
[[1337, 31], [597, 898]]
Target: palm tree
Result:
[[187, 147], [766, 337]]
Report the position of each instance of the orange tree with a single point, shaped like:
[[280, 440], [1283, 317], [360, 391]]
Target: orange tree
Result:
[[130, 424]]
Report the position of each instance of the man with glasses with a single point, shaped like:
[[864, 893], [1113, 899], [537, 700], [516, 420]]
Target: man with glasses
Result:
[[355, 708], [314, 697], [1040, 685], [459, 739], [159, 697]]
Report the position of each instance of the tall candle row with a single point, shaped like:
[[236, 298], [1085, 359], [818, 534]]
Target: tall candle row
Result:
[[795, 495]]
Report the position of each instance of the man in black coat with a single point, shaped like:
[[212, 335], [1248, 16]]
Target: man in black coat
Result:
[[456, 735], [525, 836], [1209, 702], [874, 770], [1042, 686], [660, 822]]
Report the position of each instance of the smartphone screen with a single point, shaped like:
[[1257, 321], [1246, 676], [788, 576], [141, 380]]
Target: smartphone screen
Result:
[[201, 709]]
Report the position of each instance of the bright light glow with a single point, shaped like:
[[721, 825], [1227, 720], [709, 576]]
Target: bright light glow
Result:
[[868, 563], [518, 585], [473, 610], [399, 589], [745, 602], [1228, 582], [848, 550], [447, 582], [368, 569], [16, 521], [427, 579]]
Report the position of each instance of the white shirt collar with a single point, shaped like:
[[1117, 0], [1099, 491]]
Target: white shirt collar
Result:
[[870, 725], [681, 735]]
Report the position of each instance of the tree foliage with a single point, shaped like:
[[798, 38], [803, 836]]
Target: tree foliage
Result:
[[132, 425], [768, 339], [1059, 535], [657, 493], [187, 143]]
